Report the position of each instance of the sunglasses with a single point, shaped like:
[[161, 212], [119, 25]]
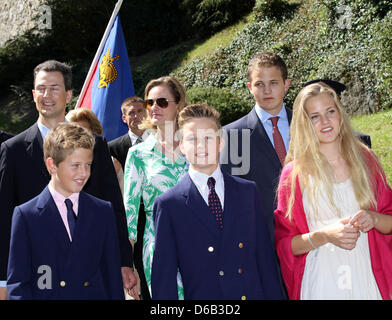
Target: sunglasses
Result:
[[161, 102]]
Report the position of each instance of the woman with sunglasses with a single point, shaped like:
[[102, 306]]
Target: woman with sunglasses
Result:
[[155, 165]]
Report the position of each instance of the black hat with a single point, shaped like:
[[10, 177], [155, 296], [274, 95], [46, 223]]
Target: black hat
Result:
[[337, 86]]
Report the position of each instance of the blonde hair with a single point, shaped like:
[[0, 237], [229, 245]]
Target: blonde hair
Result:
[[193, 111], [64, 139], [84, 114], [308, 160], [175, 88]]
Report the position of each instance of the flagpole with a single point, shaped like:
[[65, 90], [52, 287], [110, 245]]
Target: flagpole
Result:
[[98, 53]]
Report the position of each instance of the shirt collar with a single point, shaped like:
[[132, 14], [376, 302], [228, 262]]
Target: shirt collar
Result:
[[150, 142], [264, 116], [134, 137], [59, 198], [42, 129], [201, 178]]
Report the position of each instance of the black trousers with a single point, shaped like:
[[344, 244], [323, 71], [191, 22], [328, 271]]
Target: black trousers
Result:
[[138, 251]]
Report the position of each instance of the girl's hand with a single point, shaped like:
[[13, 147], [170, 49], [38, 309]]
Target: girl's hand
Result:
[[364, 220], [342, 234]]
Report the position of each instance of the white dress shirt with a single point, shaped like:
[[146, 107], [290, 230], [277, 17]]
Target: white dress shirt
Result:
[[134, 137], [200, 180], [283, 124]]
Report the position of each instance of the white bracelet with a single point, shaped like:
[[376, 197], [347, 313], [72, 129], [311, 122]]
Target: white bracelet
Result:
[[310, 241]]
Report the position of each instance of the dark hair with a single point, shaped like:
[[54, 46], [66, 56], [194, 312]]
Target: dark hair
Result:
[[129, 102], [53, 66], [267, 59]]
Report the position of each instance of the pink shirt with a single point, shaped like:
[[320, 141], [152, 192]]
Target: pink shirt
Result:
[[59, 201]]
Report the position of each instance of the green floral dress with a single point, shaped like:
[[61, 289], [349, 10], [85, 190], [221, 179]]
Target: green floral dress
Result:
[[147, 174]]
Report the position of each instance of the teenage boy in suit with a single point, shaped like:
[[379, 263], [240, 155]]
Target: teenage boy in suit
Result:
[[23, 174], [263, 142], [210, 226], [64, 241]]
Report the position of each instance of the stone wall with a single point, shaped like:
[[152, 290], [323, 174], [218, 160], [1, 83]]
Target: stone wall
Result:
[[16, 17]]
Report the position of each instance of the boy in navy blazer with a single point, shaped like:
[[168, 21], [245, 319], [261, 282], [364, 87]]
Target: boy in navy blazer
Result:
[[210, 226], [64, 242]]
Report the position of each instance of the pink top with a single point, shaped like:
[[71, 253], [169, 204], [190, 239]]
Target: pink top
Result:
[[59, 201], [380, 245]]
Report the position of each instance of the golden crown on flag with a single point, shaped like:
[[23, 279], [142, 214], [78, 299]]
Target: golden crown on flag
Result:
[[107, 70]]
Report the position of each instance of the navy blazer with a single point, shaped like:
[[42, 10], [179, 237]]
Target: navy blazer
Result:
[[23, 175], [234, 263], [86, 268], [5, 136]]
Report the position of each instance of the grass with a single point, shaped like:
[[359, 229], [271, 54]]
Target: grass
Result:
[[221, 38], [379, 127]]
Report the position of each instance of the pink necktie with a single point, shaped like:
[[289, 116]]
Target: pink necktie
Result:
[[278, 140]]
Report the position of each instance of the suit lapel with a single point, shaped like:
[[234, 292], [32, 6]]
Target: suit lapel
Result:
[[198, 206], [52, 219], [34, 149], [259, 139], [126, 142], [230, 206], [84, 222]]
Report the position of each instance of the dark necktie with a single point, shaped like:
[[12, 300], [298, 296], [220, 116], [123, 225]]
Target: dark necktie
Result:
[[278, 140], [71, 216], [138, 140], [214, 202]]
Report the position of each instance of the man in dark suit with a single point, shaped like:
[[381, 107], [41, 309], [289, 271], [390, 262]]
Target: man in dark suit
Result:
[[210, 226], [133, 113], [23, 174], [4, 136], [250, 141]]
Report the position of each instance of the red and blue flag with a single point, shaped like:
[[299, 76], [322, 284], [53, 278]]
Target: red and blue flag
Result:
[[109, 84]]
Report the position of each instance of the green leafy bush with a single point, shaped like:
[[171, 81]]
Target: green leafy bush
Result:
[[347, 41], [210, 16], [277, 9], [227, 101]]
